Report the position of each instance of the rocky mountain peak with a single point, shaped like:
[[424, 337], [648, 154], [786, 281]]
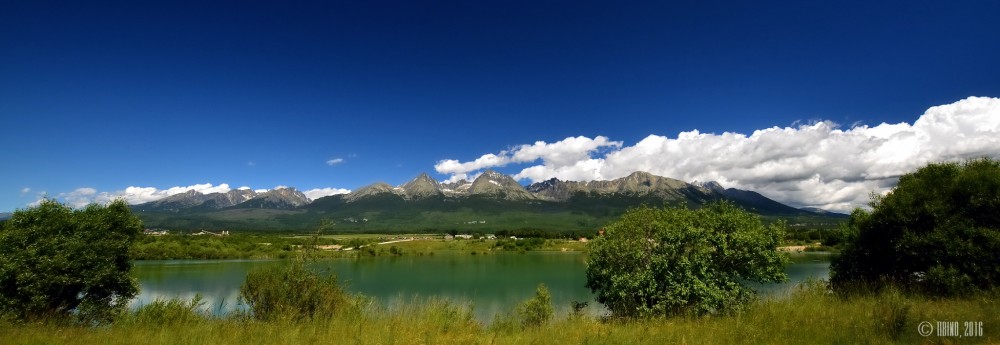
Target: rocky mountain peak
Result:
[[642, 182], [460, 187], [498, 179], [492, 174], [712, 186], [544, 185], [370, 190], [423, 186], [636, 183], [190, 198], [492, 183], [283, 197], [640, 175]]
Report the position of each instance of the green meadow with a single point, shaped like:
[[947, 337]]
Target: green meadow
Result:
[[811, 315]]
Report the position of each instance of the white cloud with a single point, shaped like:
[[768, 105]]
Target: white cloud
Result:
[[25, 190], [132, 194], [818, 164], [564, 152], [317, 193], [457, 177], [335, 161], [79, 197], [137, 195], [463, 176]]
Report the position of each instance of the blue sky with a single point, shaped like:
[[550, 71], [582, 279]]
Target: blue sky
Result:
[[99, 97]]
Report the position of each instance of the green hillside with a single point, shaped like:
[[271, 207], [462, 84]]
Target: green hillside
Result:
[[393, 214]]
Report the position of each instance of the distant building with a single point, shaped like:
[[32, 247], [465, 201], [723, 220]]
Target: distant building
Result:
[[155, 232], [491, 237], [583, 239], [464, 236], [448, 237], [203, 232]]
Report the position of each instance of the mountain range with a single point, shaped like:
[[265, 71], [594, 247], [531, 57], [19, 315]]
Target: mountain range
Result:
[[491, 202], [279, 198]]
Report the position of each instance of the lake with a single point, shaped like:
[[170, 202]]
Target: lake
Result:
[[492, 283]]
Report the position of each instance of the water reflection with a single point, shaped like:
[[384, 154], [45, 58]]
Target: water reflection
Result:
[[492, 283]]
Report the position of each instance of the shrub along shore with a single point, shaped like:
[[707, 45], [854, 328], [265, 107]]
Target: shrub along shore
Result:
[[810, 315]]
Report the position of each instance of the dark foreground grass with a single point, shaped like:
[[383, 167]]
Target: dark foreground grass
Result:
[[809, 316]]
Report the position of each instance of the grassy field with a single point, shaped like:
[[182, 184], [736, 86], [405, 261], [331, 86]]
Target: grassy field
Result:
[[420, 247], [810, 316], [271, 246]]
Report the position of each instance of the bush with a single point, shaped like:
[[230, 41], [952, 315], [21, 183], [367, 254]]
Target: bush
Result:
[[292, 292], [167, 312], [56, 262], [520, 245], [533, 312], [937, 232], [675, 261], [537, 310]]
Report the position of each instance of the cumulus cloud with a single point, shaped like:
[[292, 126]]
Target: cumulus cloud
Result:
[[818, 164], [137, 195], [334, 161], [134, 195], [79, 197], [564, 152], [25, 190], [317, 193], [462, 177]]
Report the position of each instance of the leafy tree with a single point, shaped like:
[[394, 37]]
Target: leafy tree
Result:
[[676, 261], [937, 231], [56, 262]]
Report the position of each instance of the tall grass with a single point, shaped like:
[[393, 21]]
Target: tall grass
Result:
[[810, 315]]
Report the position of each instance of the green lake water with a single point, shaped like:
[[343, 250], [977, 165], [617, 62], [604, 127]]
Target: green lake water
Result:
[[492, 283]]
